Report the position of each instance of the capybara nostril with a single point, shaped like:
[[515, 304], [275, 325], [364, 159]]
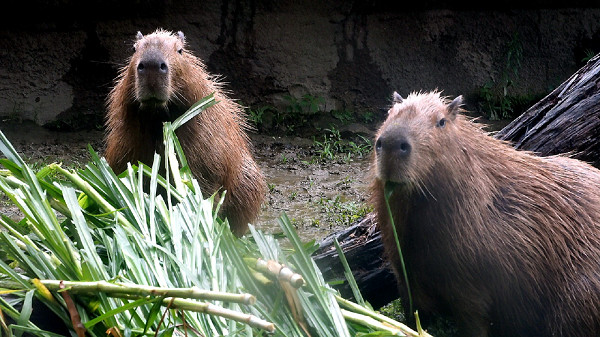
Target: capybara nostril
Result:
[[404, 148]]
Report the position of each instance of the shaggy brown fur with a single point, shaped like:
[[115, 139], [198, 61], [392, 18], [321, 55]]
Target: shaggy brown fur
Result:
[[505, 241], [161, 81]]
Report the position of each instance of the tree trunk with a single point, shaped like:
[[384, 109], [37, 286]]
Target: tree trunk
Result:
[[363, 249], [565, 121]]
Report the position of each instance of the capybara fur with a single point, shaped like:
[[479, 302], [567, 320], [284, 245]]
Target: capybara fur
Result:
[[505, 242], [161, 81]]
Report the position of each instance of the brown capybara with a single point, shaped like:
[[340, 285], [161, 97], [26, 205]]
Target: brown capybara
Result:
[[505, 242], [161, 81]]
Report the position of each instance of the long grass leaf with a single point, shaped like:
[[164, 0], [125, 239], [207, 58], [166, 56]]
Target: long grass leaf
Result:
[[9, 151], [348, 274]]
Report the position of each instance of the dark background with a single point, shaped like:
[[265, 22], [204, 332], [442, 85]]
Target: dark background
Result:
[[58, 58]]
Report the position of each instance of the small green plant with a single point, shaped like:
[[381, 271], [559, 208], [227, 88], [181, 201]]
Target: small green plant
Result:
[[394, 310], [307, 104], [298, 111], [344, 116], [311, 182], [293, 195], [332, 145], [345, 182], [362, 147], [367, 116], [342, 212], [497, 101], [589, 54], [257, 116]]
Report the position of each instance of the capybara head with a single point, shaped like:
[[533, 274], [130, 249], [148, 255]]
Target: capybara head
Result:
[[506, 242], [161, 81], [413, 137], [158, 79], [156, 57]]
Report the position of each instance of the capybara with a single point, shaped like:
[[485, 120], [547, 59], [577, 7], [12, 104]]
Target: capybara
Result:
[[161, 81], [505, 242]]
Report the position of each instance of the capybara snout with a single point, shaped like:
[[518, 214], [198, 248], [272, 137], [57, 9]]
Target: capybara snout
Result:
[[392, 150], [152, 64], [152, 78], [394, 142]]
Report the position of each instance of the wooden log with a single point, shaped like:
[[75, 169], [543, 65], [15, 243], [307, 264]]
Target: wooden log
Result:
[[565, 121], [363, 248]]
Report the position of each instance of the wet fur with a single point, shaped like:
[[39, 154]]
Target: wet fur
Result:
[[216, 146], [506, 242]]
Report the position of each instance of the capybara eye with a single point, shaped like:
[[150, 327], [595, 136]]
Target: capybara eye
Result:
[[180, 51], [441, 123], [378, 145]]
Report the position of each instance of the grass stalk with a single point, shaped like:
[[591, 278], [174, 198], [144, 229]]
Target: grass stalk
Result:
[[144, 290], [387, 195], [348, 274], [373, 323]]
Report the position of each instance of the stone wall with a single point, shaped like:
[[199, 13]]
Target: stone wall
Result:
[[58, 62]]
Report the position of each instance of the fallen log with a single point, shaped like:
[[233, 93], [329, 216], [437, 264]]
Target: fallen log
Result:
[[363, 248], [565, 121]]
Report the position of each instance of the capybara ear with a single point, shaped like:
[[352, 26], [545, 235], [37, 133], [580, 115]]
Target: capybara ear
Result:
[[454, 107], [139, 35], [396, 98], [181, 36]]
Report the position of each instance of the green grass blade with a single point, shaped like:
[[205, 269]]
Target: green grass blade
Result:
[[9, 151], [348, 274]]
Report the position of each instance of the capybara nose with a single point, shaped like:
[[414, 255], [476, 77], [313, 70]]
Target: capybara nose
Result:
[[393, 145], [152, 65]]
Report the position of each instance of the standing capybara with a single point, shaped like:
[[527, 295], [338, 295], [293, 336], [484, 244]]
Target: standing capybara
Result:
[[161, 81], [506, 242]]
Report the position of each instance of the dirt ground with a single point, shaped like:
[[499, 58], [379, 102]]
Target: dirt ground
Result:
[[318, 196]]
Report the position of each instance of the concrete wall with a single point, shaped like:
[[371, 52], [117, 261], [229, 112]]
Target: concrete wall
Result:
[[58, 62]]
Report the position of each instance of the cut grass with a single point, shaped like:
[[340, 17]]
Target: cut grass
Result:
[[132, 261]]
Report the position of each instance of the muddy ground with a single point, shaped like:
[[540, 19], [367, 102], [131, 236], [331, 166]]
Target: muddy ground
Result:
[[319, 195]]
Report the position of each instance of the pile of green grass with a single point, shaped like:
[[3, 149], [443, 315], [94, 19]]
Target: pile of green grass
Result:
[[109, 254]]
